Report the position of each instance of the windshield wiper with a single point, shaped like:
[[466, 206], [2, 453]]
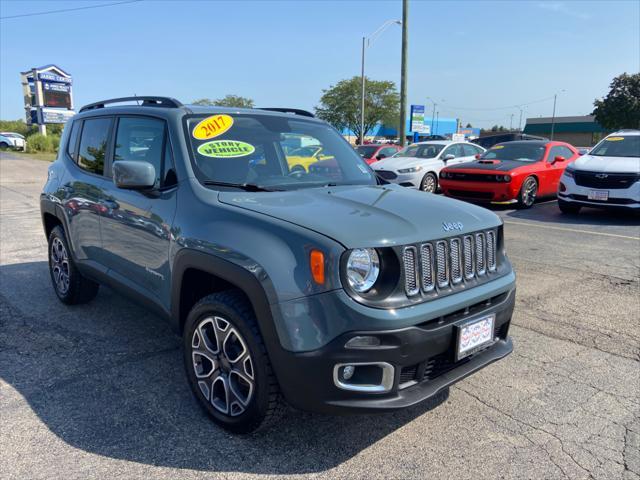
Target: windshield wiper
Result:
[[247, 187]]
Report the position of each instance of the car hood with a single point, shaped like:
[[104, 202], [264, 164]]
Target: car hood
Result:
[[394, 163], [367, 216], [593, 163], [497, 165]]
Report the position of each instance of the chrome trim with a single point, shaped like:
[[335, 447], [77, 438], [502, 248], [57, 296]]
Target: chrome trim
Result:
[[481, 262], [491, 250], [455, 259], [442, 264], [410, 265], [469, 262], [426, 263], [385, 384]]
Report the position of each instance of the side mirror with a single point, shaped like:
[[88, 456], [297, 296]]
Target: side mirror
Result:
[[448, 156], [478, 156], [134, 175], [380, 156], [559, 158]]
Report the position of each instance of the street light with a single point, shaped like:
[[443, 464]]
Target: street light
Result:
[[553, 117], [434, 112], [366, 43]]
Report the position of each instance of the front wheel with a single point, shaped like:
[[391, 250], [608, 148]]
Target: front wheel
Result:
[[429, 183], [528, 193], [227, 364], [4, 145], [568, 207]]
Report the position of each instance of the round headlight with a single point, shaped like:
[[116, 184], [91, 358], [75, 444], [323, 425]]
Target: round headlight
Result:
[[363, 268]]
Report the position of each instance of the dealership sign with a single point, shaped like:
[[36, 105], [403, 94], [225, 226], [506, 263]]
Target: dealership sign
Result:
[[48, 95], [417, 119]]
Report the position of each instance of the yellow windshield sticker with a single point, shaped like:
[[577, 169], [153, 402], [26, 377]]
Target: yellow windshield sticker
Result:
[[614, 139], [212, 126], [497, 147], [225, 149]]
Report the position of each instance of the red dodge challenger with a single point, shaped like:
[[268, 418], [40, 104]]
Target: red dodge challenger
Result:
[[511, 172]]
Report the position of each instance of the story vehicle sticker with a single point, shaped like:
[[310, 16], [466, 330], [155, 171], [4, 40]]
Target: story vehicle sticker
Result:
[[226, 149], [614, 139], [212, 126], [497, 147]]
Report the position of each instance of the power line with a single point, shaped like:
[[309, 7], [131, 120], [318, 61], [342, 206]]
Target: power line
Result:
[[34, 14], [519, 105]]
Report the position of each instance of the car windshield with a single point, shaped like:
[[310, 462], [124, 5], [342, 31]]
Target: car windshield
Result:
[[618, 146], [366, 151], [12, 135], [254, 151], [420, 151], [521, 152]]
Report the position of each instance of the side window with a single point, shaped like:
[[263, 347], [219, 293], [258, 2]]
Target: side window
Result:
[[141, 139], [389, 151], [93, 144], [72, 144], [559, 151], [454, 150], [470, 150], [567, 153]]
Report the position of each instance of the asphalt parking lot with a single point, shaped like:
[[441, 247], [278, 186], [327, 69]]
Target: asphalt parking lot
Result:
[[98, 391]]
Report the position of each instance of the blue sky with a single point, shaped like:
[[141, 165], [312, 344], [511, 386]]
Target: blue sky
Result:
[[471, 56]]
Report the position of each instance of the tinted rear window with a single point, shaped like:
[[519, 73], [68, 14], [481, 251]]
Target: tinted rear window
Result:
[[93, 144]]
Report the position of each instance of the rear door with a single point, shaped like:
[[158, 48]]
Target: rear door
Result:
[[136, 231]]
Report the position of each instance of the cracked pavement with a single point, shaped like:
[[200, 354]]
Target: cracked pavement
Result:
[[98, 391]]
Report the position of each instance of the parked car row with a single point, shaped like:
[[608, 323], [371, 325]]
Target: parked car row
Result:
[[521, 171]]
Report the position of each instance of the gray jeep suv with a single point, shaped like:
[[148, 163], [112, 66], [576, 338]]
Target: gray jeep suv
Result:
[[324, 287]]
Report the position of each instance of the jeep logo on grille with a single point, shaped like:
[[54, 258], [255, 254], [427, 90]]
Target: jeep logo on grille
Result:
[[448, 226]]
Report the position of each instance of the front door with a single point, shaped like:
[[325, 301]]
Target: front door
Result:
[[136, 231]]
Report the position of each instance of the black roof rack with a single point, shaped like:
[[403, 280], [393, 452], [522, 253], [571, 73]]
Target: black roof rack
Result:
[[146, 101], [295, 111]]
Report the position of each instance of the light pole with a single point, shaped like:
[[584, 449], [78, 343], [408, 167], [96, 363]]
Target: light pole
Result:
[[434, 112], [403, 73], [520, 121], [437, 118], [553, 116], [511, 123], [366, 43]]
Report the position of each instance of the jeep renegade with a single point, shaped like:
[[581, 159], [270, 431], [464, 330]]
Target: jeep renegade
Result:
[[326, 288]]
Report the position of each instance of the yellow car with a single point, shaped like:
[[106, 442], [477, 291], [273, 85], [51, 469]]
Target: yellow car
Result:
[[299, 159]]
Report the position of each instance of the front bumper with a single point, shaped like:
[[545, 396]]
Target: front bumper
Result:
[[620, 198], [495, 192], [411, 180], [422, 357]]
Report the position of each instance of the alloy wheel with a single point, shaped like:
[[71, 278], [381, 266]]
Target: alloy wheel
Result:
[[223, 366], [428, 183], [529, 192], [60, 265]]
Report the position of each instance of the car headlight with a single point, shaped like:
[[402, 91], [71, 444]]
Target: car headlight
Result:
[[410, 170], [569, 172], [363, 268]]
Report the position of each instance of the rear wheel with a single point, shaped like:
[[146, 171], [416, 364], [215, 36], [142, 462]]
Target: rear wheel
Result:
[[69, 284], [227, 364], [568, 207], [429, 183], [528, 193]]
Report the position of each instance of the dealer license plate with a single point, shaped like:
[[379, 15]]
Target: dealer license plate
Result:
[[602, 195], [475, 335]]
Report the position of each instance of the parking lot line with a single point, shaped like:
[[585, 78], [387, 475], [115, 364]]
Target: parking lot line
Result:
[[574, 230]]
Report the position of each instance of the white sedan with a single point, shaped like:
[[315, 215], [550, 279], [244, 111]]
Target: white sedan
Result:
[[12, 140], [419, 164]]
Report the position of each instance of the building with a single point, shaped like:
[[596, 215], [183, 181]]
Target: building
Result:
[[437, 126], [581, 131]]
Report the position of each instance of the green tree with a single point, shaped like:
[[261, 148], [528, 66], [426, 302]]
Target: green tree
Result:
[[469, 126], [227, 101], [621, 107], [340, 104]]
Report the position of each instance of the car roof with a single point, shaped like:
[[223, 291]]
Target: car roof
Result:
[[436, 142], [629, 131], [528, 142]]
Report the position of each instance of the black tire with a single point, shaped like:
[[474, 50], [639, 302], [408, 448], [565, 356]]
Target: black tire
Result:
[[263, 406], [70, 285], [568, 207], [429, 183], [4, 145], [528, 193]]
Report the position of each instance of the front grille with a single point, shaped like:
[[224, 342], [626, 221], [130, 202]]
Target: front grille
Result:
[[616, 201], [386, 174], [410, 271], [470, 194], [605, 180], [445, 263], [471, 177]]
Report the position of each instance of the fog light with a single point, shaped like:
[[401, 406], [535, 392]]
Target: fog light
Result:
[[348, 372], [562, 187], [365, 341]]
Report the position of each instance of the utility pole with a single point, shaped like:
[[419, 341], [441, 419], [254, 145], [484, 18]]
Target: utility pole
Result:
[[553, 117], [437, 120], [520, 121], [403, 73], [364, 40], [511, 123], [433, 114]]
